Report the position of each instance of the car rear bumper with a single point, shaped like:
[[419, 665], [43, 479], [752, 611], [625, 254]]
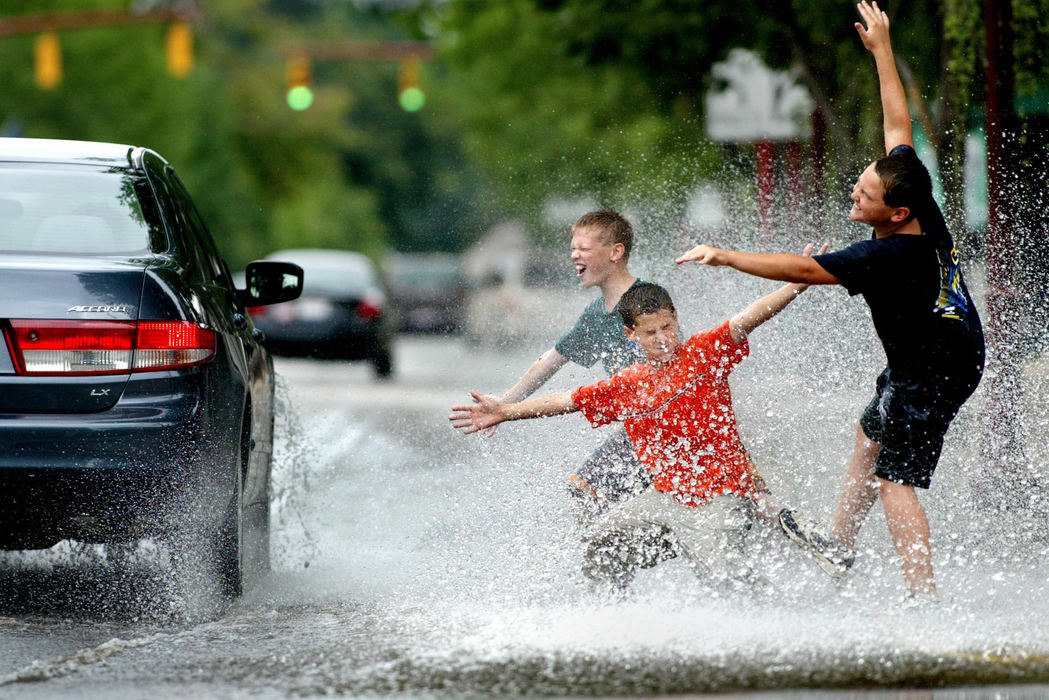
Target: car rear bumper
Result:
[[159, 457]]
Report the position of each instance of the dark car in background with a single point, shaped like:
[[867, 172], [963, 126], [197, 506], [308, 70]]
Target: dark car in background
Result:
[[428, 291], [341, 314], [135, 397]]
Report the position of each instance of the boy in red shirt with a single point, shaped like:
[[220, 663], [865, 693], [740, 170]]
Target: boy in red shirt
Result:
[[677, 411]]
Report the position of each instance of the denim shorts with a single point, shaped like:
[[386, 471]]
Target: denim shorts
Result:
[[614, 468]]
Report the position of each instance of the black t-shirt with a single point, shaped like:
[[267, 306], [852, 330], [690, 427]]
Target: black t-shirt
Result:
[[920, 305]]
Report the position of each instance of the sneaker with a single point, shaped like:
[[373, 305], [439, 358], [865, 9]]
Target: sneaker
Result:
[[831, 555]]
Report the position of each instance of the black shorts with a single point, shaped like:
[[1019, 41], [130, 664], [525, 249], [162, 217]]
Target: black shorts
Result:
[[909, 418]]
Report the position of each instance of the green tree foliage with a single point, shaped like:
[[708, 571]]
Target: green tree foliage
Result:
[[264, 176], [1031, 20], [582, 95], [605, 97], [550, 121]]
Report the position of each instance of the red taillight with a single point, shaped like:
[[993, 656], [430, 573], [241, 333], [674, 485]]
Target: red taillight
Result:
[[170, 344], [369, 311], [256, 311], [107, 347]]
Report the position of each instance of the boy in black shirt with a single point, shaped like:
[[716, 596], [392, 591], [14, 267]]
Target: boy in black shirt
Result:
[[909, 275]]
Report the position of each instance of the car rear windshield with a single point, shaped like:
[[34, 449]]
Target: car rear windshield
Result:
[[347, 278], [81, 209]]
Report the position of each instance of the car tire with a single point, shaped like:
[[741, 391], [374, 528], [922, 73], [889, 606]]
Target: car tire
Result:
[[225, 548], [256, 543], [209, 552], [383, 363]]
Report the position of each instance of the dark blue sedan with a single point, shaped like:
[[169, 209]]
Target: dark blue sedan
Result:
[[135, 397], [342, 313]]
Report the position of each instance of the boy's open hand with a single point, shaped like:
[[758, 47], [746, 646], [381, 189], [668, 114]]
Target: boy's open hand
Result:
[[482, 414], [876, 34], [704, 255]]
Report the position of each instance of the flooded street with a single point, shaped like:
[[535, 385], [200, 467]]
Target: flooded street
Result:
[[412, 560]]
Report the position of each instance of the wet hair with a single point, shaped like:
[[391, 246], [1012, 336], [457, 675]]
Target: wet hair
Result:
[[907, 182], [643, 298], [611, 226]]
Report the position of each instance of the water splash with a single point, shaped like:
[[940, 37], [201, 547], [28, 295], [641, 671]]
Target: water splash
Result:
[[465, 552]]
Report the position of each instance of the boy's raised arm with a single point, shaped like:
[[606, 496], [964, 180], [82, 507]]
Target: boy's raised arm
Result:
[[485, 412], [767, 306], [895, 115], [762, 310]]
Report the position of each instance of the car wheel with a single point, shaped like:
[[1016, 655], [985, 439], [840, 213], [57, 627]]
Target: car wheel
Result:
[[383, 363], [256, 541], [207, 551], [225, 548]]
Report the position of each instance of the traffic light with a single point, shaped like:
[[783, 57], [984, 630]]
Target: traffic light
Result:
[[47, 61], [179, 47], [300, 83], [409, 94]]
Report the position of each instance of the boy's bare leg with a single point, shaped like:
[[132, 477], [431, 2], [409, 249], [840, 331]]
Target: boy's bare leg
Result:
[[588, 489], [768, 506], [909, 528], [860, 492]]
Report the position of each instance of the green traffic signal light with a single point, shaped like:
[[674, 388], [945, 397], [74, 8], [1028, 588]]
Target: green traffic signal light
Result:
[[300, 97], [412, 99]]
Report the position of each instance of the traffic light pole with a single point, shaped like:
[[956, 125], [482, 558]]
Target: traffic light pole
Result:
[[48, 51], [89, 19], [362, 51]]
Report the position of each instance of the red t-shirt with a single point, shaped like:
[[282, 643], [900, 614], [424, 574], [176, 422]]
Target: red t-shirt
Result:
[[679, 417]]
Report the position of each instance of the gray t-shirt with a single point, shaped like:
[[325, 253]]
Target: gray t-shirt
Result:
[[598, 335]]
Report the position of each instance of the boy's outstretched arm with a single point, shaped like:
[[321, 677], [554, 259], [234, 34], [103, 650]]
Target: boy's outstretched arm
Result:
[[784, 267], [485, 412], [896, 117], [767, 306], [535, 376]]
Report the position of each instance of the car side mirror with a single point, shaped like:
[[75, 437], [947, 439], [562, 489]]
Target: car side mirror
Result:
[[270, 282]]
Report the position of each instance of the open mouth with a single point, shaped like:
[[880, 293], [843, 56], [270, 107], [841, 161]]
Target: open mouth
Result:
[[580, 270]]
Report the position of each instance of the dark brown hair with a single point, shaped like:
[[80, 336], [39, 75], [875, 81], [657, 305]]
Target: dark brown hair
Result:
[[643, 298], [906, 180]]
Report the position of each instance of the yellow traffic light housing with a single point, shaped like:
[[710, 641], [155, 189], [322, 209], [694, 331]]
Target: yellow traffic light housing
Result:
[[299, 83], [409, 94], [47, 61], [179, 48]]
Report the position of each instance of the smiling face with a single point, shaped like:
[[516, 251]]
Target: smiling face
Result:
[[657, 334], [868, 203], [594, 259], [868, 198]]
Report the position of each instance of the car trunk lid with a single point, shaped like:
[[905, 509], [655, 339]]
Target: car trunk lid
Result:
[[66, 303]]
